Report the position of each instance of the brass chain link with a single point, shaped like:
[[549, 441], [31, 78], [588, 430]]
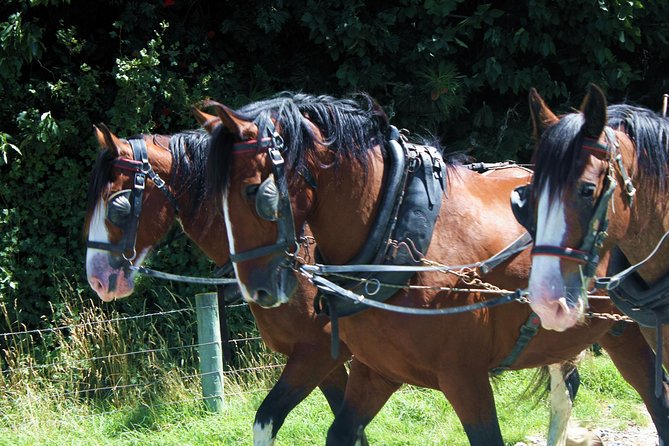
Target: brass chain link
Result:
[[471, 277]]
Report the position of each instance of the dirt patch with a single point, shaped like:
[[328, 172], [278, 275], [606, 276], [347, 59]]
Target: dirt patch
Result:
[[633, 435]]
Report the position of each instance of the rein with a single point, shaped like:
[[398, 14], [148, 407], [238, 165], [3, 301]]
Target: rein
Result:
[[326, 285], [185, 279]]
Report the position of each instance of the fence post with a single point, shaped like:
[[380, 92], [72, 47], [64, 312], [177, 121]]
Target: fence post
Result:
[[211, 357]]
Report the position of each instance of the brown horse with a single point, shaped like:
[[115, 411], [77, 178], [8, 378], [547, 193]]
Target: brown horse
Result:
[[293, 330], [179, 159], [319, 160], [582, 216]]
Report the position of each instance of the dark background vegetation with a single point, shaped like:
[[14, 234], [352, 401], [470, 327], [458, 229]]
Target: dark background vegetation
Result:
[[460, 70]]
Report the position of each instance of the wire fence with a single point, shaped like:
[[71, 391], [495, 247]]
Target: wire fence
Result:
[[148, 359]]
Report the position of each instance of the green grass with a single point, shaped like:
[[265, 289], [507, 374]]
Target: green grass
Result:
[[413, 416], [44, 398]]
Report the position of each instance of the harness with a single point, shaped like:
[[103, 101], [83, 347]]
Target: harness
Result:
[[402, 228], [125, 206]]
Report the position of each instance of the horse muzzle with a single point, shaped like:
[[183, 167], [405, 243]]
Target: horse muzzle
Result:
[[271, 286]]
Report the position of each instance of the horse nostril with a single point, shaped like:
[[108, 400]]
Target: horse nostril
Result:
[[113, 279], [96, 284]]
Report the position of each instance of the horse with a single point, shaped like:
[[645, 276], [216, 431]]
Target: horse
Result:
[[179, 160], [177, 192], [293, 159], [584, 221]]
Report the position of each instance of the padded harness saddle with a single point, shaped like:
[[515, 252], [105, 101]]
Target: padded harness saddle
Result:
[[402, 230], [647, 305]]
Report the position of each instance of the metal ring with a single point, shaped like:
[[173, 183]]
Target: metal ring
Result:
[[374, 281], [132, 256]]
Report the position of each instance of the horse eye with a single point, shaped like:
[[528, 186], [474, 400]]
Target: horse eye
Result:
[[587, 190], [252, 190]]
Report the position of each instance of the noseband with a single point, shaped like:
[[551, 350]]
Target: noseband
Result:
[[272, 198], [126, 205], [587, 253]]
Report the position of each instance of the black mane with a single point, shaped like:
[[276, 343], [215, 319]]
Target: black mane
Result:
[[559, 148], [349, 128], [190, 153]]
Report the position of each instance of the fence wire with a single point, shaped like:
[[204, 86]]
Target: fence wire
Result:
[[121, 369]]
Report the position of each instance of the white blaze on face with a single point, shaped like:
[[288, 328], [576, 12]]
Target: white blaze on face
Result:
[[231, 242], [546, 286], [97, 232]]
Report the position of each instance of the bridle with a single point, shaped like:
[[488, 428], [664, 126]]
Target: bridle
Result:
[[124, 207], [587, 254], [272, 197]]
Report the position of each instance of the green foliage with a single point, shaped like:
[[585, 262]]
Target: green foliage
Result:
[[454, 69]]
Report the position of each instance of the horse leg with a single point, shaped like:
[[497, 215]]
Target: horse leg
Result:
[[366, 393], [635, 360], [302, 373], [564, 385], [472, 398]]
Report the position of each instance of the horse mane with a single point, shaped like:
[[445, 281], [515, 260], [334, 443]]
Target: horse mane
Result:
[[650, 133], [348, 127], [190, 153], [557, 155]]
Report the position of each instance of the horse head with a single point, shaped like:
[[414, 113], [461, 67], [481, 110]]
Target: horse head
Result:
[[126, 213], [579, 163], [271, 162]]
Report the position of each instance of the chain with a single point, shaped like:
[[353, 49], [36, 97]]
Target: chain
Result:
[[609, 316], [470, 277]]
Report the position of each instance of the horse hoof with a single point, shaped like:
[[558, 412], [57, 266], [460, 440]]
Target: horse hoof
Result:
[[583, 437]]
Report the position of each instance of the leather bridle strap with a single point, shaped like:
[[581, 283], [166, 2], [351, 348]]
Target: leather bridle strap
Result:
[[287, 237], [575, 255], [140, 168]]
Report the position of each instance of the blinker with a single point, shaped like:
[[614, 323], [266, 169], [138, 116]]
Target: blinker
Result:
[[522, 208], [267, 200], [119, 208]]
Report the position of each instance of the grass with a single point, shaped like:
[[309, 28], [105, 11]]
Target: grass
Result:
[[413, 416], [45, 397]]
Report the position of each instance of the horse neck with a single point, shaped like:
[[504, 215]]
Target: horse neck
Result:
[[347, 202], [206, 228], [199, 220], [645, 222], [648, 223]]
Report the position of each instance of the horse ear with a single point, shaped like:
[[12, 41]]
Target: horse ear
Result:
[[234, 123], [594, 111], [106, 139], [207, 121], [542, 116]]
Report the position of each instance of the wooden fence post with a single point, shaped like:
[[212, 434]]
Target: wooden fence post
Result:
[[211, 356]]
